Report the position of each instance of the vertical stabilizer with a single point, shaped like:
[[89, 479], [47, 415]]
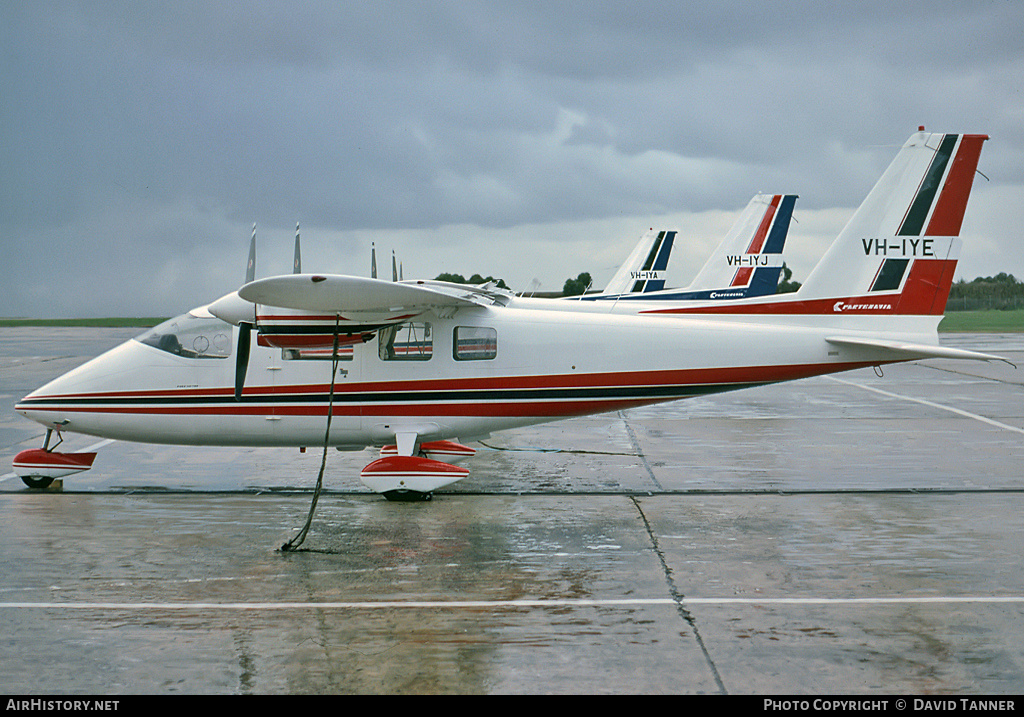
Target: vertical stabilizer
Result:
[[748, 261], [900, 248], [644, 270]]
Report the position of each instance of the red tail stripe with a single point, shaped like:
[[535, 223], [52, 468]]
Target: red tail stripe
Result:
[[742, 277], [948, 214], [762, 230]]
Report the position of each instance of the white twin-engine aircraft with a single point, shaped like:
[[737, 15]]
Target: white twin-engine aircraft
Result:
[[418, 368]]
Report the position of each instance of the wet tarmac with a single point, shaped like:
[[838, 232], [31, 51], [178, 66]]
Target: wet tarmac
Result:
[[853, 534]]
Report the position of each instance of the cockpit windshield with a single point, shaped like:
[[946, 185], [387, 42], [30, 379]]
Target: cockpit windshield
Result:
[[196, 334]]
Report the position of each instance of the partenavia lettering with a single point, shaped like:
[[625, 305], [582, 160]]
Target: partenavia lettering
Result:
[[841, 306]]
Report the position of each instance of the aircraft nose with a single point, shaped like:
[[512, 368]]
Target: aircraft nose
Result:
[[58, 403]]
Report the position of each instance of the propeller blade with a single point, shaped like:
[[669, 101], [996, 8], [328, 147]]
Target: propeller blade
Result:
[[250, 269], [242, 357]]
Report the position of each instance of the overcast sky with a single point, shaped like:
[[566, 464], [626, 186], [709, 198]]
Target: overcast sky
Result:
[[139, 142]]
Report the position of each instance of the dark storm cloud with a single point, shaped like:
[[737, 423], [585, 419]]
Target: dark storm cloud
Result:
[[145, 139]]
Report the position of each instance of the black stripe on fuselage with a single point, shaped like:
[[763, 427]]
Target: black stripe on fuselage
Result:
[[375, 397]]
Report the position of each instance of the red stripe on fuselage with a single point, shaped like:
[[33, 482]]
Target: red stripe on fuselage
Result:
[[398, 398]]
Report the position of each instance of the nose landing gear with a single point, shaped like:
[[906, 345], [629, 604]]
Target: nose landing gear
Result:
[[37, 467]]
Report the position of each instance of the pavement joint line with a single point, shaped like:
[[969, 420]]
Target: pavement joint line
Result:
[[679, 598], [933, 404], [639, 450], [516, 604]]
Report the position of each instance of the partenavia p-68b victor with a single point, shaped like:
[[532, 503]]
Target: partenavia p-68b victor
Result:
[[420, 368]]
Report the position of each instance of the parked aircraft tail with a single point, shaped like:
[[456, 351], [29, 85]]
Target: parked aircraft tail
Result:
[[898, 252], [748, 261], [644, 269], [903, 242]]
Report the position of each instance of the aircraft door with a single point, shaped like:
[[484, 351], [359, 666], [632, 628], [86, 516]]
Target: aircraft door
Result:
[[302, 380]]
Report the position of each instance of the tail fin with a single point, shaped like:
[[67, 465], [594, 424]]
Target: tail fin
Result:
[[748, 262], [898, 252], [900, 248], [644, 270]]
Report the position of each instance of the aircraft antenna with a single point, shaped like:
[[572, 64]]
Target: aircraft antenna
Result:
[[373, 261], [297, 265]]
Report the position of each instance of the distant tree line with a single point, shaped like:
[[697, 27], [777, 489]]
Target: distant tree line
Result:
[[475, 279], [1002, 291], [785, 285], [577, 286]]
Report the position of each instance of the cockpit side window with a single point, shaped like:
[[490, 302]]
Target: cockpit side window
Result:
[[191, 336]]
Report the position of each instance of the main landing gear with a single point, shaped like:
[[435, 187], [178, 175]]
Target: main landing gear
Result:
[[411, 478]]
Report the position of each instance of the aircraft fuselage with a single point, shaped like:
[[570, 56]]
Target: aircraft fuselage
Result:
[[479, 371]]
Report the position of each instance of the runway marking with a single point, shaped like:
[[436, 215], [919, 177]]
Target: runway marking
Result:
[[512, 604], [933, 404]]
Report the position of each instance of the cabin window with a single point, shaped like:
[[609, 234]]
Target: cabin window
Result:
[[406, 342], [475, 343], [191, 336]]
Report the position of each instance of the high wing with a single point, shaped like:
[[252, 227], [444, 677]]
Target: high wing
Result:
[[307, 311], [355, 294]]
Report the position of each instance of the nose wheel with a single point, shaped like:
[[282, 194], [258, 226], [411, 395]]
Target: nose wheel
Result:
[[37, 482]]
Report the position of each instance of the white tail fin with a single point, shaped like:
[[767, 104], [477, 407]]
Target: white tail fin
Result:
[[898, 252], [748, 261], [644, 270], [901, 246]]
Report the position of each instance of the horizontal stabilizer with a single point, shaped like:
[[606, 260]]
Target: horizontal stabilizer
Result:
[[904, 350]]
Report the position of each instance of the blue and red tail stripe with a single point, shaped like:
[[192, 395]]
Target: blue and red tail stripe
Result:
[[657, 261], [941, 201], [769, 238]]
